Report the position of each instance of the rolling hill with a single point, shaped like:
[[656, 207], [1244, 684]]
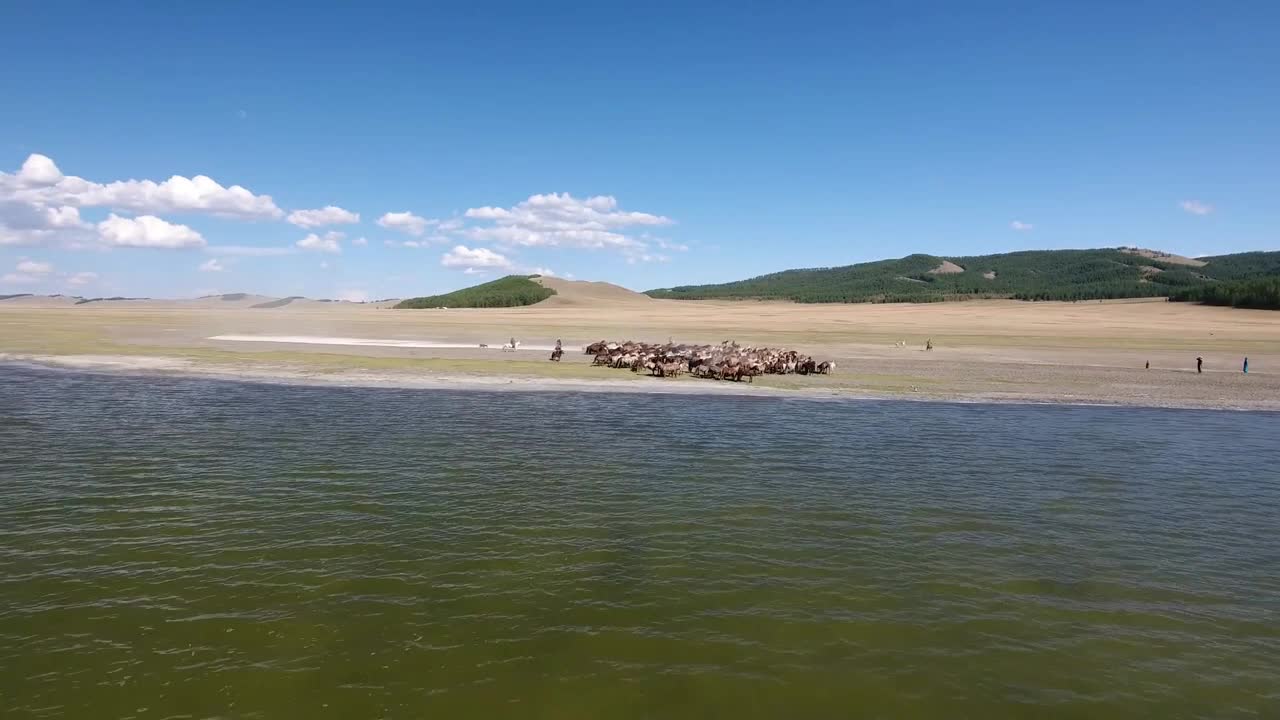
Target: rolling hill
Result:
[[509, 291], [1028, 275]]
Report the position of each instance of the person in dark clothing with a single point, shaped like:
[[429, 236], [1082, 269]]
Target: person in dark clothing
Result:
[[1199, 364], [1246, 366], [1148, 364]]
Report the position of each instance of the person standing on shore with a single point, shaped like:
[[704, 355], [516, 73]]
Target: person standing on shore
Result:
[[1246, 366], [1199, 364]]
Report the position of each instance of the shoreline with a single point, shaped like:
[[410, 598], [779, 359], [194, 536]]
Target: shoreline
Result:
[[165, 366]]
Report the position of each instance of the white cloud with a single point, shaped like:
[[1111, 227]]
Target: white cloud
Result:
[[474, 258], [40, 183], [405, 222], [249, 250], [32, 267], [39, 170], [147, 231], [542, 271], [82, 278], [27, 272], [360, 241], [356, 296], [316, 243], [328, 215], [561, 220], [212, 265], [23, 223], [473, 271], [634, 257], [39, 205], [64, 217], [1021, 226], [1195, 207], [668, 245]]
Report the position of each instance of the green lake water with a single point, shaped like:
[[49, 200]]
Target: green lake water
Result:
[[183, 548]]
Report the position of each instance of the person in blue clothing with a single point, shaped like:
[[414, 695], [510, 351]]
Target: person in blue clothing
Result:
[[1246, 366]]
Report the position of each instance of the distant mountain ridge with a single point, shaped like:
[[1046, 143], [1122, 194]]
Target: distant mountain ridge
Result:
[[1028, 275]]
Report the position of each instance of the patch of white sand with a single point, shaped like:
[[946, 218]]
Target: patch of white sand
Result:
[[371, 342], [106, 362]]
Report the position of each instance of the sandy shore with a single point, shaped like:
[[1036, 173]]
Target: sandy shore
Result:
[[1080, 353]]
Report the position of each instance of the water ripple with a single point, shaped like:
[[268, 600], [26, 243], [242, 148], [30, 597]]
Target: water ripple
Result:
[[191, 548]]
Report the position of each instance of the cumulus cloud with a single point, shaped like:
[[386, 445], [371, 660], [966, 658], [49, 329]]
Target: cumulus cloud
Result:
[[33, 267], [39, 170], [542, 271], [328, 215], [1195, 207], [40, 183], [561, 220], [405, 222], [328, 243], [39, 205], [360, 241], [1021, 226], [147, 231], [249, 250], [474, 258], [28, 224], [82, 278], [212, 265], [27, 272]]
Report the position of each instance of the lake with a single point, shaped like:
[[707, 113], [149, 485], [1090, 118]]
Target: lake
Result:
[[188, 548]]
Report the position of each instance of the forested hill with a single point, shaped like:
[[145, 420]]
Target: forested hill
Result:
[[1028, 275], [510, 291]]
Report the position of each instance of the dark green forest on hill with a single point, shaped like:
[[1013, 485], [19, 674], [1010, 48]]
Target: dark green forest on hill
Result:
[[1029, 275], [1259, 293], [510, 291]]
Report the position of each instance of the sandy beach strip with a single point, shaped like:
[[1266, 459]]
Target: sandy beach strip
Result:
[[178, 367], [265, 373]]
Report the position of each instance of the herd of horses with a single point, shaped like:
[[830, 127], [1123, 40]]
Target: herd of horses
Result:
[[726, 361]]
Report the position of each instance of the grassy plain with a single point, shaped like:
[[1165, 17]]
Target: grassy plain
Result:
[[984, 350]]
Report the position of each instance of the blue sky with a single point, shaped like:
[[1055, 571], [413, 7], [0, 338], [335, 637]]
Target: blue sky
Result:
[[647, 144]]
